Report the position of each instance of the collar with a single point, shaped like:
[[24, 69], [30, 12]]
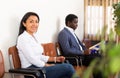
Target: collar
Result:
[[27, 34], [70, 29]]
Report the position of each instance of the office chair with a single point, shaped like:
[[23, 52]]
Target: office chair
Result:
[[15, 66], [68, 58], [50, 49], [2, 69]]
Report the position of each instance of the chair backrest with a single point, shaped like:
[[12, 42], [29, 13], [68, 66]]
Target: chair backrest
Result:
[[14, 57], [59, 52], [49, 49], [2, 68]]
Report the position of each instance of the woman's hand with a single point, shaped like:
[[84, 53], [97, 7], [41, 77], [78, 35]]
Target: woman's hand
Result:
[[56, 59], [60, 59], [49, 65]]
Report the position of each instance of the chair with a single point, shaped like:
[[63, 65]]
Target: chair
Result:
[[50, 49], [15, 66], [68, 58], [2, 68]]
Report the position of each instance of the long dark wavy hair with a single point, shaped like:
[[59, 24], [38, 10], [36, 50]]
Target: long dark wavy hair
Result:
[[25, 17]]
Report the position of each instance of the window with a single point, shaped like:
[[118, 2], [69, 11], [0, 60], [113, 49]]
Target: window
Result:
[[98, 14]]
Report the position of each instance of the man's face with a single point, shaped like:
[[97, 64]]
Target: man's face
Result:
[[73, 24]]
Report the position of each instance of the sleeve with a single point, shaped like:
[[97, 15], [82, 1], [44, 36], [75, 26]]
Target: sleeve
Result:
[[67, 45], [31, 52]]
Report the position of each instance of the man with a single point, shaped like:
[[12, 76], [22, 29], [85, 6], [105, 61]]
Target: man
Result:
[[69, 42], [67, 38]]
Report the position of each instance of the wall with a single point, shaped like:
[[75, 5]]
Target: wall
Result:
[[52, 14]]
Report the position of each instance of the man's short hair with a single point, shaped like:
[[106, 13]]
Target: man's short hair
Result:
[[70, 18]]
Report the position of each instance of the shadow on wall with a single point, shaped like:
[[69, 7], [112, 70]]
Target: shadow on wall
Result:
[[57, 30], [9, 39]]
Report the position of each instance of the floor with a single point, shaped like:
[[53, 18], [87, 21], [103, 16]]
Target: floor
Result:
[[8, 75]]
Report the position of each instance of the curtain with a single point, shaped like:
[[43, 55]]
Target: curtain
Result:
[[97, 15]]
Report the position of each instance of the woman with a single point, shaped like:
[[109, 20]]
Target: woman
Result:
[[31, 52]]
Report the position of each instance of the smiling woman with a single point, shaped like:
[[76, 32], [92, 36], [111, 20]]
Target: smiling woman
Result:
[[31, 24], [31, 52]]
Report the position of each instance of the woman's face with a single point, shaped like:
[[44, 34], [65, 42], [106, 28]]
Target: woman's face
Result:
[[31, 24]]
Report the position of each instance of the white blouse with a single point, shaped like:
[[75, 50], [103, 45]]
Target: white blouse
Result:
[[30, 51]]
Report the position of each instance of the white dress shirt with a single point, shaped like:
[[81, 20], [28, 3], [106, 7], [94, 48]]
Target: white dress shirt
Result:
[[30, 51]]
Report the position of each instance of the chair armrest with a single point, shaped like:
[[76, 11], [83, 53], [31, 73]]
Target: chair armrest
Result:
[[54, 62], [72, 58], [75, 56], [66, 59], [78, 59], [30, 72], [37, 69]]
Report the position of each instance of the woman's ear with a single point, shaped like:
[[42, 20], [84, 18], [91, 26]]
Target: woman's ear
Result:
[[24, 24]]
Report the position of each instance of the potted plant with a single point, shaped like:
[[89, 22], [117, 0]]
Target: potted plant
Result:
[[116, 18], [109, 64]]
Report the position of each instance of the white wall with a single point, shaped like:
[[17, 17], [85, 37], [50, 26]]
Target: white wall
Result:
[[52, 14]]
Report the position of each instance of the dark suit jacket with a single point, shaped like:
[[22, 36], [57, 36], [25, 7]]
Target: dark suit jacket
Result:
[[68, 43]]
